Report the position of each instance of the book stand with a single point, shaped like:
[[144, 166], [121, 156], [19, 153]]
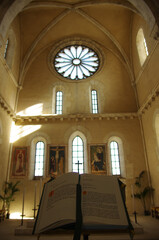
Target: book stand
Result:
[[86, 234], [77, 230]]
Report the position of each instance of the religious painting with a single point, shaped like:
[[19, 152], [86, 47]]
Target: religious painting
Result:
[[19, 162], [98, 158], [56, 160]]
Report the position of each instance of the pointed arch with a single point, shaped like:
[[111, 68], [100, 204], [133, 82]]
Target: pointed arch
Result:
[[70, 151], [17, 6]]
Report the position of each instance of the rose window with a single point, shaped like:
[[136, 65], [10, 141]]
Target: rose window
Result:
[[76, 62]]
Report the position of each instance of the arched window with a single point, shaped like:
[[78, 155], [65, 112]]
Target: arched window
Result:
[[77, 155], [77, 151], [39, 159], [141, 46], [115, 158], [94, 101], [10, 48], [37, 166], [116, 162], [59, 98]]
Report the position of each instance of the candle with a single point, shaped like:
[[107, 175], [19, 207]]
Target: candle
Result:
[[35, 196], [23, 202]]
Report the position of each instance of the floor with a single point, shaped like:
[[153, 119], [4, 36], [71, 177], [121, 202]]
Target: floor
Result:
[[148, 230]]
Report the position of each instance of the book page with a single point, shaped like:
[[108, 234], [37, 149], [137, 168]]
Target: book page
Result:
[[58, 205], [102, 201]]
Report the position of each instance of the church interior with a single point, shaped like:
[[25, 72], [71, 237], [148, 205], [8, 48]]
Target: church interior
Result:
[[79, 92]]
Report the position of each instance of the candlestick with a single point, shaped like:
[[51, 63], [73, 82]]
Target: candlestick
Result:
[[40, 186], [34, 209], [35, 196], [23, 206], [133, 200]]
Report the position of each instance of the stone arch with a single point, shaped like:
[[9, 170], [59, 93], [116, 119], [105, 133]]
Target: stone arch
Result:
[[17, 6]]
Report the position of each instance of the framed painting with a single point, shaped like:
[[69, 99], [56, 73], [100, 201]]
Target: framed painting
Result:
[[56, 160], [19, 162], [98, 158]]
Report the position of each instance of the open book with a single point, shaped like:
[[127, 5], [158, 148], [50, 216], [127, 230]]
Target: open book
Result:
[[102, 206]]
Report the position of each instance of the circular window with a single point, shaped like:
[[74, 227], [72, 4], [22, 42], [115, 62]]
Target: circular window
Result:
[[76, 62]]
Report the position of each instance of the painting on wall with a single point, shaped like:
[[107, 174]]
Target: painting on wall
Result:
[[56, 160], [19, 162], [98, 158]]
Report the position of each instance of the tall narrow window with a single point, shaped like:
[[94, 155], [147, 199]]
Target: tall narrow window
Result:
[[78, 155], [145, 46], [115, 159], [94, 101], [141, 46], [39, 159], [6, 48], [59, 97]]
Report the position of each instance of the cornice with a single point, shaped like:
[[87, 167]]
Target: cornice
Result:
[[6, 107], [150, 99], [41, 119]]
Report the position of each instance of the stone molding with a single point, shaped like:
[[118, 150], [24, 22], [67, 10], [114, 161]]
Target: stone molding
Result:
[[23, 120], [6, 107], [150, 99]]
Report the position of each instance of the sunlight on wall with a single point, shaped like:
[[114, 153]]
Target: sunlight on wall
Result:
[[17, 215], [32, 111], [18, 132], [141, 46]]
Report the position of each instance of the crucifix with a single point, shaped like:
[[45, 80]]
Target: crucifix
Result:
[[78, 163]]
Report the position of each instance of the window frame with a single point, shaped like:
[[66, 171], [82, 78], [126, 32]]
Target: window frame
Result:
[[116, 155], [35, 162], [59, 102], [94, 101], [69, 163], [76, 62], [142, 47], [78, 155]]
